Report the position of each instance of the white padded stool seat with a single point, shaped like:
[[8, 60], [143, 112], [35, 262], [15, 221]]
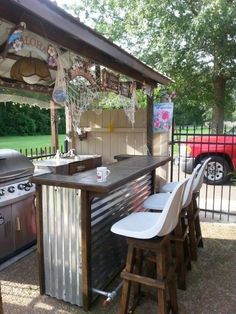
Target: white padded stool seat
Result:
[[147, 225], [168, 187], [137, 225], [156, 201]]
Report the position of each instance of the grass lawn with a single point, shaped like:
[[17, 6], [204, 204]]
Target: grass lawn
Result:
[[28, 142]]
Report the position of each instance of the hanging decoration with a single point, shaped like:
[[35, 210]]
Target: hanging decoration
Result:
[[162, 117], [59, 94], [15, 39], [30, 70], [130, 109], [110, 81], [82, 68], [81, 97], [52, 56], [82, 90], [125, 89], [147, 89], [85, 86]]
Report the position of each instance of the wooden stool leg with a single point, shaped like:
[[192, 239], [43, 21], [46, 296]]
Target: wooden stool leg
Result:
[[192, 232], [126, 283], [137, 286], [165, 273], [180, 260], [187, 253], [198, 232], [197, 223], [161, 273], [171, 283]]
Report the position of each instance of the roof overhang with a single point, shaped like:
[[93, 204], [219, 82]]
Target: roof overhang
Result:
[[48, 20]]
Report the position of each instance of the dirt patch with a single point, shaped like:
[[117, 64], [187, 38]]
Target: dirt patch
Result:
[[211, 284]]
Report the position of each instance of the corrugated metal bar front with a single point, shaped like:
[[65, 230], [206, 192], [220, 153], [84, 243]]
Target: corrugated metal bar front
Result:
[[109, 250], [62, 243]]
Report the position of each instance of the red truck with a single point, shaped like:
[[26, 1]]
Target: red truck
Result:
[[221, 149]]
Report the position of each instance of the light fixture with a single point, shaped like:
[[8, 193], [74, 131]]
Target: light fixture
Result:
[[30, 70], [33, 79]]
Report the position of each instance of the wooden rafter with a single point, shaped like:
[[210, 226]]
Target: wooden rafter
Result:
[[46, 19]]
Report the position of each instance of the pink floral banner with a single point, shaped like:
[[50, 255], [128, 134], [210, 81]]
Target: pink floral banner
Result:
[[162, 117]]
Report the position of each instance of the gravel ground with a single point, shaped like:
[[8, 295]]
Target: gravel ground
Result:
[[211, 284]]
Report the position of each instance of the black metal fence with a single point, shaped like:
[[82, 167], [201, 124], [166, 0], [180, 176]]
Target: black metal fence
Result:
[[40, 153], [191, 145]]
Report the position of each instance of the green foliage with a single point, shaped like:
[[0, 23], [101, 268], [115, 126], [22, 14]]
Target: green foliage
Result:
[[193, 41], [25, 120]]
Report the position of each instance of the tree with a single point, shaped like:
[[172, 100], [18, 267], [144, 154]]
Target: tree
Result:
[[25, 120], [193, 41]]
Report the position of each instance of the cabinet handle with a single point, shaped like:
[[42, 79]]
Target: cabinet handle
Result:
[[80, 168], [18, 226]]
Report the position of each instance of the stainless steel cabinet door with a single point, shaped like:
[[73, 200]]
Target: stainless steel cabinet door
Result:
[[23, 213], [6, 231]]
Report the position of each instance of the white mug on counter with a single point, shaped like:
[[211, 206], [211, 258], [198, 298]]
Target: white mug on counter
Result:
[[102, 174]]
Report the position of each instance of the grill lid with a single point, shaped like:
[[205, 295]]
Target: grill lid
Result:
[[14, 165]]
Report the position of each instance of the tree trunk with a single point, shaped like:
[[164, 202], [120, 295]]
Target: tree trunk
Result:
[[219, 86]]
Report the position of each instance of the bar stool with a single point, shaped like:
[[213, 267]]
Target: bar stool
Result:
[[149, 231], [195, 234], [156, 202]]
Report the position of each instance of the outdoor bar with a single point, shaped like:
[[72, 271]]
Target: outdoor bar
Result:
[[78, 255], [94, 236], [76, 249]]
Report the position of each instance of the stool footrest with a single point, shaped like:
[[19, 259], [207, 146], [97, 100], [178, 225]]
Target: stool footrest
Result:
[[179, 238], [144, 280]]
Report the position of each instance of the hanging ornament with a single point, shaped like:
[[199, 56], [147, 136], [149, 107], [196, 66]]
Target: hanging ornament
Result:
[[148, 90], [15, 39], [52, 56], [130, 109], [59, 94]]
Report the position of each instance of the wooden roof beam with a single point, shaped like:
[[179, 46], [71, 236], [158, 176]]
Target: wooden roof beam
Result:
[[44, 18]]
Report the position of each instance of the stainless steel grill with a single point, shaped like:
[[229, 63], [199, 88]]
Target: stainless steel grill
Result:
[[17, 209]]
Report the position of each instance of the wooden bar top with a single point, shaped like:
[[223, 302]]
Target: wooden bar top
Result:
[[121, 173]]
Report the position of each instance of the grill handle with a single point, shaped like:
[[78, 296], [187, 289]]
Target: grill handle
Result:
[[14, 175], [18, 224]]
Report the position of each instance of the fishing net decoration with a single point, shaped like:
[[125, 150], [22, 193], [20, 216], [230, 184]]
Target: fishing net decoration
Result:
[[131, 104], [81, 97]]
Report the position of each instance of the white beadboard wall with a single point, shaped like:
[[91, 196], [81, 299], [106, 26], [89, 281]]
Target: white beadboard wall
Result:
[[110, 133]]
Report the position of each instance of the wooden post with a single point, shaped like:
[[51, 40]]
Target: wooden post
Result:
[[150, 137], [86, 249], [1, 306], [149, 125], [54, 125], [40, 250]]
